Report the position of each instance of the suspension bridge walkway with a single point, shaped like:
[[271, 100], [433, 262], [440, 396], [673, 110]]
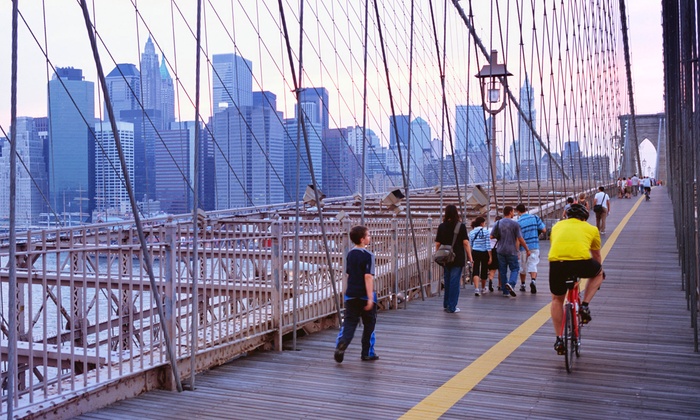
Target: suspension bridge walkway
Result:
[[493, 359]]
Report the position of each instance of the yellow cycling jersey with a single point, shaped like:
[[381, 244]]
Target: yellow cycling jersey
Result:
[[572, 240]]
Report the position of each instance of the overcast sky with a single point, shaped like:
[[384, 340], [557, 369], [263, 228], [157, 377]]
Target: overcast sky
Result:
[[68, 45]]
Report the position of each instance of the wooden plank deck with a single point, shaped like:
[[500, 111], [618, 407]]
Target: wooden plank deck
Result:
[[637, 360]]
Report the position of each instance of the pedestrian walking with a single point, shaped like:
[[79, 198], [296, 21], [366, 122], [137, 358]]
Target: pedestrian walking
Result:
[[360, 297]]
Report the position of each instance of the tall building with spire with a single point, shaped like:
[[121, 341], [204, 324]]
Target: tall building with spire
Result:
[[525, 153], [150, 77]]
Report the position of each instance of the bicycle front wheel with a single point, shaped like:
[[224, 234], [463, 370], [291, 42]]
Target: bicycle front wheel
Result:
[[569, 338]]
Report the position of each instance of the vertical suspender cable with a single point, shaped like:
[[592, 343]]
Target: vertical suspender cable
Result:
[[628, 70], [364, 120], [300, 115], [317, 197], [13, 310], [132, 198], [195, 206]]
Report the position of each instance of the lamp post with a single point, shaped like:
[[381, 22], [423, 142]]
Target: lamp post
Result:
[[644, 166], [493, 78]]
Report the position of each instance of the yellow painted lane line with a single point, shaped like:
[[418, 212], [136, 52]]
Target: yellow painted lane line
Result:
[[443, 398]]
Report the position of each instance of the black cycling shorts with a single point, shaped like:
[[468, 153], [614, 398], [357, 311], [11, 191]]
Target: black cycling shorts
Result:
[[560, 271]]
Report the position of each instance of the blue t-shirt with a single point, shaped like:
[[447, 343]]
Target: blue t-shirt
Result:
[[358, 263], [530, 226]]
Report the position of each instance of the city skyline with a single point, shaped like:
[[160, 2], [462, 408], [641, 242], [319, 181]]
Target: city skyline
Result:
[[643, 43]]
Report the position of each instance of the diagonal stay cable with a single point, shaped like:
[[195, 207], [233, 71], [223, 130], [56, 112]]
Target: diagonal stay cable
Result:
[[297, 92], [132, 198], [398, 143]]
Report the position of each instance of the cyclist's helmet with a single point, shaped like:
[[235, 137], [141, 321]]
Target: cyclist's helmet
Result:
[[577, 211]]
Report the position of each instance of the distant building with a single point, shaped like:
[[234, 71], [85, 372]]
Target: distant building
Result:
[[146, 125], [470, 129], [293, 129], [167, 95], [314, 102], [124, 87], [525, 152], [70, 151], [150, 78], [250, 166], [32, 185], [232, 78], [174, 169], [341, 167], [111, 194]]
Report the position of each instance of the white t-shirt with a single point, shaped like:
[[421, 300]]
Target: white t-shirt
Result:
[[602, 198]]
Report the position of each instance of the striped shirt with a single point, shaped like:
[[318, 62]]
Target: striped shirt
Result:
[[479, 239], [531, 225]]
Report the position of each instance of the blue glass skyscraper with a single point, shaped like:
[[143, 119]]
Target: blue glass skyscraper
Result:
[[71, 115]]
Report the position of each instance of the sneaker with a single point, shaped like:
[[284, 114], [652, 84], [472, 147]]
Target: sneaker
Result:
[[456, 310], [533, 287], [510, 290], [602, 233], [585, 313], [506, 295], [490, 286], [340, 352], [477, 292], [522, 287], [369, 358], [559, 346]]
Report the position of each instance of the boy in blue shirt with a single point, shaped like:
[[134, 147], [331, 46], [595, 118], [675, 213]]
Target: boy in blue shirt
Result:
[[360, 298]]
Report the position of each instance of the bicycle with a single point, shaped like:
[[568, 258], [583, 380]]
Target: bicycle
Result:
[[647, 193], [572, 323]]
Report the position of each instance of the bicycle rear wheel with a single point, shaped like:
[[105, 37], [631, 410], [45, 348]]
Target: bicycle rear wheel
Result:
[[569, 338]]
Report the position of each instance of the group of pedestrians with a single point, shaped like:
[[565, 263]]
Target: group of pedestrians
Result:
[[628, 187], [509, 246]]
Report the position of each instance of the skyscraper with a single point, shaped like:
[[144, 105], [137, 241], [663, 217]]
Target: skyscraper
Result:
[[233, 81], [470, 129], [71, 115], [124, 87], [250, 165], [167, 95], [31, 186], [293, 130], [314, 102], [111, 193], [150, 78], [341, 168], [174, 168], [526, 151]]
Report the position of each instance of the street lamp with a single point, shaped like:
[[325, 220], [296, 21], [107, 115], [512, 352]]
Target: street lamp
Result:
[[493, 78], [644, 166]]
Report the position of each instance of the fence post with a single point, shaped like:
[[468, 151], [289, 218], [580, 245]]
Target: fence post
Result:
[[278, 293], [169, 289], [429, 262], [395, 258]]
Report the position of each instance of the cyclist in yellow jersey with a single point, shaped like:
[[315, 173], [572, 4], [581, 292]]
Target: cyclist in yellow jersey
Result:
[[574, 251]]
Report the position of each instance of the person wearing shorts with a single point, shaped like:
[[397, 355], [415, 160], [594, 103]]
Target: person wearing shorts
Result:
[[574, 252], [531, 226]]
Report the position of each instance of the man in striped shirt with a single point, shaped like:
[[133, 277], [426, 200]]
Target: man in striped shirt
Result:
[[531, 227]]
